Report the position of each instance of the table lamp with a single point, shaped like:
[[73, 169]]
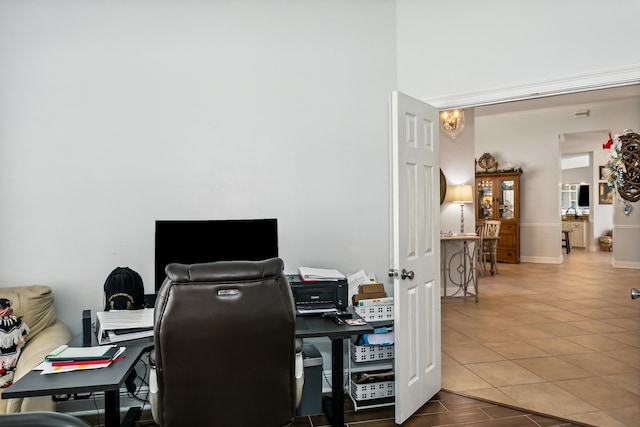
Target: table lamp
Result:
[[462, 194]]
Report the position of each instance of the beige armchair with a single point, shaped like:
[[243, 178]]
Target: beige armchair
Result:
[[34, 304]]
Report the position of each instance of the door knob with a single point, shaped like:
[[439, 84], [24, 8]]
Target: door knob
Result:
[[635, 293], [404, 274]]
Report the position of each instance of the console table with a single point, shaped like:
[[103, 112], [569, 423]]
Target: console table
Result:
[[107, 379], [463, 259]]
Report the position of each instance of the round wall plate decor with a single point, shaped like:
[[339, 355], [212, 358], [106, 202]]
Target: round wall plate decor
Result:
[[487, 161]]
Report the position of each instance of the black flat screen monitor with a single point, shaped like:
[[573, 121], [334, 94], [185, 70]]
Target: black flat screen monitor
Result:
[[190, 242]]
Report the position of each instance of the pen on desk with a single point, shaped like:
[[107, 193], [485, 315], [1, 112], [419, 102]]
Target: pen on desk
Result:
[[86, 362]]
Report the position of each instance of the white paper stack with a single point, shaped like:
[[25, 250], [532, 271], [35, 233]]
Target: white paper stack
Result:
[[124, 325], [319, 274]]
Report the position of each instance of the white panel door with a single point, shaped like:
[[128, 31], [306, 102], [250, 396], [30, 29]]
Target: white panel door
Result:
[[415, 252]]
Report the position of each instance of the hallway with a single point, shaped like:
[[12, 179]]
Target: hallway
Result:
[[558, 339]]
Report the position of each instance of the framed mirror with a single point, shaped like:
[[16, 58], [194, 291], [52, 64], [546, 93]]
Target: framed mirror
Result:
[[443, 186]]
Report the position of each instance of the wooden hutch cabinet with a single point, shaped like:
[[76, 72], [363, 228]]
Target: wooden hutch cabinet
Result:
[[497, 198]]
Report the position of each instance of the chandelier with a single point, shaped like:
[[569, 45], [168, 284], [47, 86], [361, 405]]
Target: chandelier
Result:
[[452, 122]]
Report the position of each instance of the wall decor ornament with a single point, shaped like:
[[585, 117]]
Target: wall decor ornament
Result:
[[487, 161], [622, 171]]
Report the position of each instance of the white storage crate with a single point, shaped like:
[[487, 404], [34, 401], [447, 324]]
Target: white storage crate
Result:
[[375, 312], [372, 390], [368, 353]]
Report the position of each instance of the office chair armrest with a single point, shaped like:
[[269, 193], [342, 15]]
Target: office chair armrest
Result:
[[152, 358], [299, 371]]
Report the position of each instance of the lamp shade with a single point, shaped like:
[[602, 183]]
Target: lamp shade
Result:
[[462, 194]]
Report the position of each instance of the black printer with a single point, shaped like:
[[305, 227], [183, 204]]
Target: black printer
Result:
[[321, 294]]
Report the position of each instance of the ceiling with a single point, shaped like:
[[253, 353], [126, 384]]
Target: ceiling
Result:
[[578, 98], [571, 143]]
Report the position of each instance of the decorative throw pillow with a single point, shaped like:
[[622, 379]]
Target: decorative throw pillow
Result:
[[13, 332]]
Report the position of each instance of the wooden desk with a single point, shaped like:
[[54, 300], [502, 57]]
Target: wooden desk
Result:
[[110, 379], [107, 379], [317, 326], [466, 256]]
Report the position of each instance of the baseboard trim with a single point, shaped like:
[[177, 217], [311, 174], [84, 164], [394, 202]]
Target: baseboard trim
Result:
[[541, 260], [625, 264]]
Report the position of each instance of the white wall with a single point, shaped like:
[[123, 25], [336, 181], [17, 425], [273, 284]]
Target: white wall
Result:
[[115, 114], [473, 53], [600, 215], [626, 235], [456, 157], [577, 175], [531, 139], [455, 53]]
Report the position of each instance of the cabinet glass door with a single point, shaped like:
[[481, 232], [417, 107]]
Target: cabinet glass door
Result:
[[506, 199], [485, 199]]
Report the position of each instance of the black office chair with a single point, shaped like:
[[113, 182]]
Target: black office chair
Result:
[[41, 419], [225, 346]]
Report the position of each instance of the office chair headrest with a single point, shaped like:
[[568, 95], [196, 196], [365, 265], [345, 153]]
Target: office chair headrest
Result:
[[225, 271]]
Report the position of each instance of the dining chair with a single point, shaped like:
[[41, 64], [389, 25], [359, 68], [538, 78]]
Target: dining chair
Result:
[[490, 244], [480, 261]]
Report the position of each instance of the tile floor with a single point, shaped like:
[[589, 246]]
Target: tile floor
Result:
[[562, 340], [444, 409]]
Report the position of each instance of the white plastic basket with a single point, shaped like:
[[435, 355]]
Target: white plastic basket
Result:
[[373, 390], [376, 312], [368, 353]]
